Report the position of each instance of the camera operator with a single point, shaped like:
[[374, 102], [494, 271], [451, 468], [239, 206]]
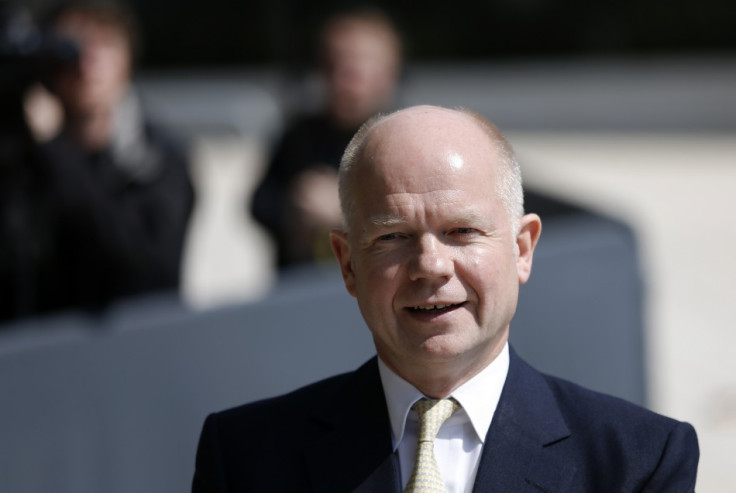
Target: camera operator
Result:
[[118, 185]]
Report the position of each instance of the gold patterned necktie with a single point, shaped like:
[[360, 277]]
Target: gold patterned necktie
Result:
[[426, 477]]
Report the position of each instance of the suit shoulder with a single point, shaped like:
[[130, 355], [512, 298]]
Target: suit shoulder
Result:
[[596, 406], [658, 453], [238, 446], [593, 414], [274, 409]]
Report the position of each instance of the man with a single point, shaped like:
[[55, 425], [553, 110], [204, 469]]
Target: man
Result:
[[434, 247], [297, 202], [119, 183]]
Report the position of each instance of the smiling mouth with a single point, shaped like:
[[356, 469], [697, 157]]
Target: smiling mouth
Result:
[[435, 309]]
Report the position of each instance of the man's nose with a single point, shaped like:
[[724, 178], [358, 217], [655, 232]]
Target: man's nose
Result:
[[431, 259]]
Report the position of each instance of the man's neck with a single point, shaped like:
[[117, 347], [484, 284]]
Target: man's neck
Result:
[[438, 380]]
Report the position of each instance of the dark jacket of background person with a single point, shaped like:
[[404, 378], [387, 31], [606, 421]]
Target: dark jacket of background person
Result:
[[119, 231], [311, 140], [78, 230], [26, 243]]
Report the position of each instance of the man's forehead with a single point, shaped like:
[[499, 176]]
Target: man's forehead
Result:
[[425, 125], [427, 138]]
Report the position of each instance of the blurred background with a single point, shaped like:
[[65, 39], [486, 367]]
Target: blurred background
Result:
[[625, 110]]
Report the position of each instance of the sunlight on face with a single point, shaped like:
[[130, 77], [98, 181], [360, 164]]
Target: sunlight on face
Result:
[[455, 160]]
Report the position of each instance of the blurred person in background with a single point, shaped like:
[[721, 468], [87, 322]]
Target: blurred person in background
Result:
[[297, 201], [118, 185]]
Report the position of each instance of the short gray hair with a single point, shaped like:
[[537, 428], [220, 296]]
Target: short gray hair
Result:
[[509, 186]]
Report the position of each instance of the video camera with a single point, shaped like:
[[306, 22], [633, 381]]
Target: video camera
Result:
[[27, 53]]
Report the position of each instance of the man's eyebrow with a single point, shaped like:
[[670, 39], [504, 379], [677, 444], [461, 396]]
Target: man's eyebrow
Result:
[[469, 217], [462, 217]]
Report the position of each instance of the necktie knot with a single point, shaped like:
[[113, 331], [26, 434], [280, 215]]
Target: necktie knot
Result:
[[432, 414]]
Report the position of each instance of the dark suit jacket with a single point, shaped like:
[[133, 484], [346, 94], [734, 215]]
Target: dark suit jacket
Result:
[[546, 435]]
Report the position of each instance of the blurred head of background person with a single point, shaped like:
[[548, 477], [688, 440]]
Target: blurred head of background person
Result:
[[92, 90], [358, 60]]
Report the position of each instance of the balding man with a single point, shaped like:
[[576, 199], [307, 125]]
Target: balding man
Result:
[[434, 246]]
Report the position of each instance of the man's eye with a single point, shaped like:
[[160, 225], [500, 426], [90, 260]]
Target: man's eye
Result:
[[464, 231], [388, 237]]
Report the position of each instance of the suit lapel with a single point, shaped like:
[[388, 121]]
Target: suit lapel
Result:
[[355, 451], [519, 452]]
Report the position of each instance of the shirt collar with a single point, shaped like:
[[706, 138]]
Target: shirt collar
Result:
[[478, 396]]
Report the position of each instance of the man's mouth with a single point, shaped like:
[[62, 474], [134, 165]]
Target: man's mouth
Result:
[[435, 309]]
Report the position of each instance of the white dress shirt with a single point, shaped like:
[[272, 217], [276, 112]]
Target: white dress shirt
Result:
[[459, 442]]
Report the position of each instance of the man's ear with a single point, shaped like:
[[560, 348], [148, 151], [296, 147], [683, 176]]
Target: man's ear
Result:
[[341, 248], [530, 227]]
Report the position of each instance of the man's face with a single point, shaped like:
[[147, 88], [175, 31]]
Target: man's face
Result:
[[430, 254], [101, 76]]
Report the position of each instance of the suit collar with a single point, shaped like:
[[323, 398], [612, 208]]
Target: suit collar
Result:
[[355, 451], [478, 396], [517, 454]]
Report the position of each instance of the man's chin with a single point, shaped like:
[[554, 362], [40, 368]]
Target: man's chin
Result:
[[442, 348]]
